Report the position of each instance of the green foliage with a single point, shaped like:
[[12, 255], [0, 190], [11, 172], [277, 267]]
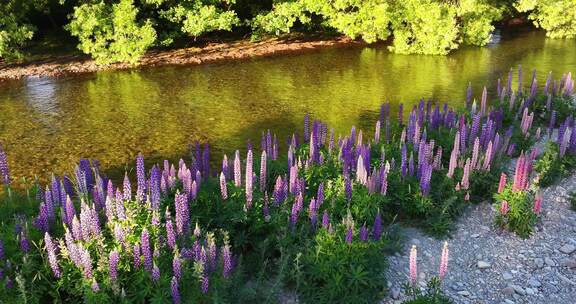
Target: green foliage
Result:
[[550, 166], [572, 200], [111, 33], [520, 218], [281, 19], [332, 270], [424, 27], [431, 295], [557, 17], [15, 29], [197, 17], [477, 19]]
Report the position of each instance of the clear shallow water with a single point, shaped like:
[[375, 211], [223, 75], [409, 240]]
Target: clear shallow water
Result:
[[47, 125]]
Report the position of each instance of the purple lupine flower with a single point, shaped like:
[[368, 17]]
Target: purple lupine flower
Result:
[[170, 235], [141, 178], [182, 213], [24, 243], [4, 170], [249, 179], [155, 273], [174, 290], [1, 250], [113, 264], [86, 262], [313, 213], [363, 233], [211, 253], [306, 127], [223, 189], [146, 249], [136, 255], [349, 235], [95, 287], [325, 220], [263, 172], [127, 188], [348, 189], [52, 259], [205, 283], [177, 265], [404, 159], [119, 204], [155, 188], [227, 260], [377, 229], [320, 195]]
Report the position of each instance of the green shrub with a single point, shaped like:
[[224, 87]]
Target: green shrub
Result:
[[111, 33], [431, 295], [557, 17], [477, 19], [332, 270], [15, 29], [572, 200], [550, 166], [519, 215]]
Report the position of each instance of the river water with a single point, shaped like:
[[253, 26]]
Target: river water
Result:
[[48, 124]]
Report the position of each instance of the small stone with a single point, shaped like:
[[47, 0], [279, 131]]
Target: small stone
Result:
[[508, 301], [567, 249], [508, 291], [476, 235], [569, 263], [534, 283], [519, 290], [530, 291], [464, 293], [550, 262], [539, 262], [483, 265], [507, 276], [395, 293]]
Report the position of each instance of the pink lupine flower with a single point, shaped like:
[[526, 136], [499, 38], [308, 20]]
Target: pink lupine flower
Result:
[[537, 204], [413, 265], [502, 183], [504, 208], [223, 189], [444, 261]]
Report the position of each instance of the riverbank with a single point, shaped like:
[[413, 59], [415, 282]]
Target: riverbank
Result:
[[211, 52]]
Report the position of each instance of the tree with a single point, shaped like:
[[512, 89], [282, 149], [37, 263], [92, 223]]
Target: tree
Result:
[[557, 17], [111, 33]]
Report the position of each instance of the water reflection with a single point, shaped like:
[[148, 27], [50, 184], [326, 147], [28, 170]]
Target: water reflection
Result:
[[47, 124]]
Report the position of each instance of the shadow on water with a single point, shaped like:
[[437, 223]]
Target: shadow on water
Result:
[[47, 125]]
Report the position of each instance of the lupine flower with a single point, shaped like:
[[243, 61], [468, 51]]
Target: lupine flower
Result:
[[223, 189], [537, 204], [226, 260], [146, 249], [205, 283], [237, 170], [170, 235], [177, 265], [363, 233], [325, 220], [444, 261], [24, 243], [51, 250], [502, 183], [349, 235], [113, 264], [127, 188], [155, 273], [1, 250], [136, 255], [95, 287], [174, 290], [249, 179], [504, 207], [263, 172], [141, 178], [4, 171], [348, 189], [182, 213], [320, 195], [413, 266]]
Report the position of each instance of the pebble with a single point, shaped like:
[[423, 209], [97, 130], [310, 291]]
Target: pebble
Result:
[[484, 265], [567, 249], [534, 283], [539, 262], [465, 293], [507, 276], [395, 293], [508, 291], [519, 290], [550, 262]]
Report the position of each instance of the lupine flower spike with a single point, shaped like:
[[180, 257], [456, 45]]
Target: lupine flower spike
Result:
[[444, 261], [413, 266]]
